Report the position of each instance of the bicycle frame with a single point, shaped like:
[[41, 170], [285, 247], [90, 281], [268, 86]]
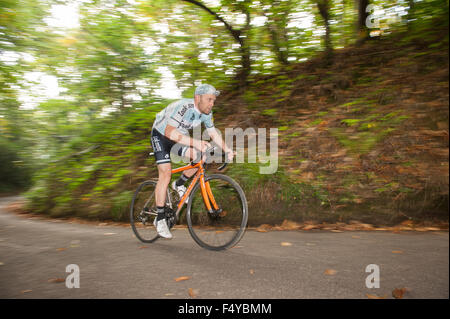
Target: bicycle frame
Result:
[[208, 197]]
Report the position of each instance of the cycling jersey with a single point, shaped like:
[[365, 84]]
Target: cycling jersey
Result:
[[183, 116]]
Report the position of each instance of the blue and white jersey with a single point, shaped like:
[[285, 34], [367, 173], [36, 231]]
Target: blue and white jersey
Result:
[[183, 116]]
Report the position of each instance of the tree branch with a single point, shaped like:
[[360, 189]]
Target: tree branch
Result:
[[235, 33]]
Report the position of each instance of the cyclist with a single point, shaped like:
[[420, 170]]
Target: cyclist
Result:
[[170, 128]]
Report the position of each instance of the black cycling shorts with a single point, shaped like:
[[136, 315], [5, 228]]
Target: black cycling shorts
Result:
[[163, 146]]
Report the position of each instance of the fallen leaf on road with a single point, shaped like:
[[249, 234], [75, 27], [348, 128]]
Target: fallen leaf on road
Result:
[[1, 264], [408, 223], [192, 292], [142, 247], [26, 291], [56, 280], [252, 272], [169, 294], [366, 227], [61, 249], [375, 297], [75, 243], [397, 252], [289, 225], [108, 234], [309, 227], [398, 293], [432, 228], [356, 237], [182, 278], [285, 243], [264, 228], [330, 272], [336, 231]]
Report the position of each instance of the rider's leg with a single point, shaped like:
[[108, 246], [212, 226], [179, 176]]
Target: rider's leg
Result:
[[187, 174], [178, 185], [190, 153], [164, 175]]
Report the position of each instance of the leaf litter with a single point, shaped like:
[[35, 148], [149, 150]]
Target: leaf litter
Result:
[[342, 227], [398, 293]]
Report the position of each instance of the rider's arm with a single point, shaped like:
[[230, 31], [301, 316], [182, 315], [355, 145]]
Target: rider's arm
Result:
[[173, 134], [218, 140]]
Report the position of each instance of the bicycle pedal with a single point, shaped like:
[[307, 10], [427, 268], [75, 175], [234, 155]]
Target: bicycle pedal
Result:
[[215, 211]]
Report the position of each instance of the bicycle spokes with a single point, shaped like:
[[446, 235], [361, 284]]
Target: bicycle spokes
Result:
[[143, 212], [220, 225]]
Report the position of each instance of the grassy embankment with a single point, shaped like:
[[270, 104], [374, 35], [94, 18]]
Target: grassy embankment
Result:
[[365, 138]]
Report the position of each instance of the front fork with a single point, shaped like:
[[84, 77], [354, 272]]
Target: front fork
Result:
[[208, 197]]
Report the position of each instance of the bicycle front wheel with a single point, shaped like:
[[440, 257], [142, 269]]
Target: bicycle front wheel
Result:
[[143, 212], [224, 227]]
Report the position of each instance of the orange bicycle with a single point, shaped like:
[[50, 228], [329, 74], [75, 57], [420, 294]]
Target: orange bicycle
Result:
[[217, 210]]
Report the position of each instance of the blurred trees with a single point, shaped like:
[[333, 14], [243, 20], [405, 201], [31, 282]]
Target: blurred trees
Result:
[[20, 38], [239, 35], [114, 60]]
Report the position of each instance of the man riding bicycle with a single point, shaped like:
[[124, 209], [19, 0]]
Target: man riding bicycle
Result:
[[171, 127]]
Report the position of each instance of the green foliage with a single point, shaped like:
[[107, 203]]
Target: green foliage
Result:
[[14, 171], [120, 205], [90, 141], [37, 196], [351, 122], [269, 112]]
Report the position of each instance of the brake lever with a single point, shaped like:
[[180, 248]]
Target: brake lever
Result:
[[208, 151], [224, 164]]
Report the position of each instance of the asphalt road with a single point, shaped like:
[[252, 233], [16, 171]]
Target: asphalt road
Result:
[[34, 254]]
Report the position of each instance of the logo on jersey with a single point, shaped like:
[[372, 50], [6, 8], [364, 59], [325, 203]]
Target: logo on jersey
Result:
[[156, 144], [183, 110]]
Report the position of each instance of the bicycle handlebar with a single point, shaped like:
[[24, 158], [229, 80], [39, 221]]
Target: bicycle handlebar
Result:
[[208, 152]]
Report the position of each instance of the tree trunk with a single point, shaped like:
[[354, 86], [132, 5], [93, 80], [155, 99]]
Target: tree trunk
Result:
[[276, 26], [410, 15], [363, 32], [324, 9], [282, 54]]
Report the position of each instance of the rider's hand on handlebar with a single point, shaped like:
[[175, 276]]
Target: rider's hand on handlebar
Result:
[[230, 154], [201, 145]]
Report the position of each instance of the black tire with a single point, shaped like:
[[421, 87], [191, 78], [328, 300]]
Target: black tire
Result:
[[221, 230], [143, 212]]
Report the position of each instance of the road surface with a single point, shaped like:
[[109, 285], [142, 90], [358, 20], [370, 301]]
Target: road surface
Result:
[[112, 263]]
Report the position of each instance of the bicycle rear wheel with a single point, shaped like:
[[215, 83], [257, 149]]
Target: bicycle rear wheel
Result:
[[223, 228], [143, 212]]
